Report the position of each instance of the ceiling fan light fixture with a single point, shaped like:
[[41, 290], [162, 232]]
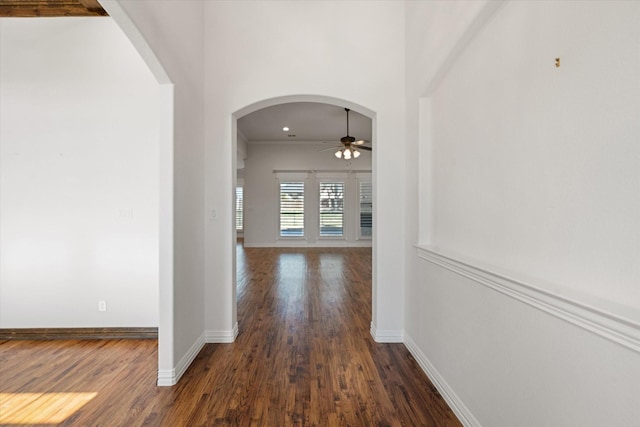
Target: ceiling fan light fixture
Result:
[[349, 143]]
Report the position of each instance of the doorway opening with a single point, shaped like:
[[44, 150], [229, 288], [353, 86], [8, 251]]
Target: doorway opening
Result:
[[337, 211]]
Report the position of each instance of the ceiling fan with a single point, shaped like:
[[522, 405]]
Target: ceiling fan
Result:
[[349, 147]]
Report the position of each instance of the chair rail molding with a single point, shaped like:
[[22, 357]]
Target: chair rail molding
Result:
[[621, 328]]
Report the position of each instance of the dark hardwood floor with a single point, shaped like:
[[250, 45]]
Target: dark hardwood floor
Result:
[[304, 357]]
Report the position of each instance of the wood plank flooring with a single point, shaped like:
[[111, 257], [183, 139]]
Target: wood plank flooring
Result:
[[304, 357]]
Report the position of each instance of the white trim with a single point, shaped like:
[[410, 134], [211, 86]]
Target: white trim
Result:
[[120, 16], [320, 243], [608, 323], [292, 176], [170, 377], [329, 172], [221, 337], [292, 238], [446, 391], [166, 377], [332, 176], [363, 175], [337, 239], [389, 336]]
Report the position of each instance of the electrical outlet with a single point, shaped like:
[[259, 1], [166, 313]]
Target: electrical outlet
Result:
[[102, 306]]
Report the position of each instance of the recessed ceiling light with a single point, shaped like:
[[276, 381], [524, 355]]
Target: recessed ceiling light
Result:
[[285, 129]]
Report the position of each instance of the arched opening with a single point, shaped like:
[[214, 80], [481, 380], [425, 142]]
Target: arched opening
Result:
[[319, 99]]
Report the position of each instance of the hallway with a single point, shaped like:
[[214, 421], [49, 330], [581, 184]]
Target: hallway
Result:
[[304, 357], [305, 314]]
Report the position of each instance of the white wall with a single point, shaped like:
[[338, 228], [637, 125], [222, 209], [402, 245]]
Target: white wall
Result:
[[534, 174], [502, 361], [79, 176], [262, 192], [256, 51], [173, 31], [556, 177], [238, 70]]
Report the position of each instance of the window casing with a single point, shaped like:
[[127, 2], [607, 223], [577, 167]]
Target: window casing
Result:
[[321, 208]]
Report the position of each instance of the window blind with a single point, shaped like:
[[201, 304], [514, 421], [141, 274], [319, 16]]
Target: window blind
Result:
[[239, 209], [331, 209], [292, 209], [366, 209]]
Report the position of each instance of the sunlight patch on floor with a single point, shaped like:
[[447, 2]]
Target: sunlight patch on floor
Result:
[[40, 408]]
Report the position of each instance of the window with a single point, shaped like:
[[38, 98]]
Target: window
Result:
[[291, 209], [321, 207], [366, 209], [331, 209], [239, 209]]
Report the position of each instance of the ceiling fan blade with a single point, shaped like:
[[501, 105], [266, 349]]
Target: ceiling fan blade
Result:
[[332, 148], [362, 147], [360, 142]]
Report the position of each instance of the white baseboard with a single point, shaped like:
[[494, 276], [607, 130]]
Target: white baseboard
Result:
[[170, 377], [221, 337], [390, 336], [166, 377], [455, 403]]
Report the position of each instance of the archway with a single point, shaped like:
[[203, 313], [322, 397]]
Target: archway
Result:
[[285, 100]]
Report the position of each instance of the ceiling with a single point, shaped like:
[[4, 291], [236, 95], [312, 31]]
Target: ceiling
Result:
[[307, 121], [50, 8]]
